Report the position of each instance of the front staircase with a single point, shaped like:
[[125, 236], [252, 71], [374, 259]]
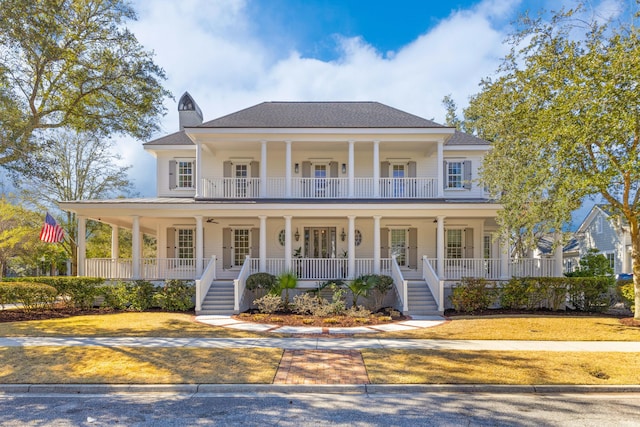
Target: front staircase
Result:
[[420, 300], [219, 299]]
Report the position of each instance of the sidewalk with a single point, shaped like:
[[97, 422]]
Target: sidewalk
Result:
[[325, 343]]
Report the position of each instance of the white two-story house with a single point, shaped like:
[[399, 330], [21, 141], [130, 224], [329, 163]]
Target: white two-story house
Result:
[[327, 190]]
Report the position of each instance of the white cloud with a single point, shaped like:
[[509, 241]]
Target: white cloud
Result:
[[210, 49]]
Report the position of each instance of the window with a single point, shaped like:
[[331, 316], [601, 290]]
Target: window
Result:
[[185, 248], [599, 225], [281, 238], [185, 174], [241, 246], [454, 244], [611, 257], [455, 175], [487, 246], [358, 237]]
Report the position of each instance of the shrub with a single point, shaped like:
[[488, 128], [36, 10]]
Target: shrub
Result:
[[77, 291], [358, 312], [529, 293], [137, 295], [269, 303], [627, 293], [589, 293], [382, 285], [116, 296], [306, 303], [30, 294], [176, 295], [260, 283], [360, 286], [284, 282], [472, 294]]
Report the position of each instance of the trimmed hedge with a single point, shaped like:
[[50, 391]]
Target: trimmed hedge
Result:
[[591, 294], [176, 295], [77, 291], [30, 294]]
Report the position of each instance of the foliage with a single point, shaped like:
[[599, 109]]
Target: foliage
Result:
[[473, 295], [30, 294], [285, 281], [269, 303], [593, 264], [626, 292], [79, 292], [137, 295], [360, 286], [261, 283], [562, 115], [73, 64], [307, 303], [358, 312], [382, 285], [589, 293], [176, 295], [531, 293]]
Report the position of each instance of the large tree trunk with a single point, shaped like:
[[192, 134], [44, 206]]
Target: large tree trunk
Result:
[[635, 257]]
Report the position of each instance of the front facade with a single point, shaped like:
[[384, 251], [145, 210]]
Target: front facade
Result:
[[324, 189]]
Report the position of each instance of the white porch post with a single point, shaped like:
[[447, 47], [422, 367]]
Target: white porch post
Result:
[[199, 246], [504, 256], [198, 170], [135, 247], [351, 263], [440, 167], [263, 243], [161, 241], [115, 248], [287, 242], [263, 169], [376, 244], [351, 170], [557, 256], [82, 245], [440, 246], [376, 168], [287, 169]]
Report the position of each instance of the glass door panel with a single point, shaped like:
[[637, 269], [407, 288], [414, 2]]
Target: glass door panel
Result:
[[399, 245]]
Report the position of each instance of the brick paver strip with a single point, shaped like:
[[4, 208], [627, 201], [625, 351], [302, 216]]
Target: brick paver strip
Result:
[[321, 367]]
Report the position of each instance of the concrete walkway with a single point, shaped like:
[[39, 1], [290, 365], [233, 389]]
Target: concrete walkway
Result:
[[325, 343]]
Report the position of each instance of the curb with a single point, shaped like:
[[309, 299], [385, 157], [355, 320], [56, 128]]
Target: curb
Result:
[[85, 389]]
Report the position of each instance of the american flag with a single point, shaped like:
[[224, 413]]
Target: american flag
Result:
[[51, 232]]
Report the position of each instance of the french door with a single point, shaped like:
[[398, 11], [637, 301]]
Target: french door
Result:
[[320, 242], [398, 245]]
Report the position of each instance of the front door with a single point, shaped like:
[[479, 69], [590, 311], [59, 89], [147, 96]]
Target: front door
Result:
[[320, 242], [398, 245]]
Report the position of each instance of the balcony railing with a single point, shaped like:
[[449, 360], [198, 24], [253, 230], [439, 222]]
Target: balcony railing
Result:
[[319, 188], [489, 268], [150, 268]]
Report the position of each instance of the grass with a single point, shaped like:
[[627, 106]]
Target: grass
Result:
[[517, 327], [152, 324], [496, 367], [126, 365]]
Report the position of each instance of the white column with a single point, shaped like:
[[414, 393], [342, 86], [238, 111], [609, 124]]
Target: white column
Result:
[[82, 244], [376, 244], [263, 243], [198, 170], [287, 242], [135, 247], [351, 263], [263, 169], [376, 168], [504, 256], [440, 167], [440, 246], [161, 241], [115, 242], [351, 170], [557, 256], [199, 246], [287, 169]]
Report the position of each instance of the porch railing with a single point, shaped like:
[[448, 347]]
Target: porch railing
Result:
[[150, 268], [204, 282], [321, 268], [531, 267], [240, 284], [318, 188], [489, 268], [436, 286], [401, 285]]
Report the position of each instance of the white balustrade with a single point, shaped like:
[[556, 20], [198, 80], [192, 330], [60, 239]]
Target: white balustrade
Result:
[[436, 286], [408, 188], [231, 188], [400, 284], [531, 267], [363, 188], [240, 284], [204, 282], [150, 268]]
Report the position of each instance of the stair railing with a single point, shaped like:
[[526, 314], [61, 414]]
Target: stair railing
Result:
[[400, 285], [436, 286], [239, 284], [204, 282]]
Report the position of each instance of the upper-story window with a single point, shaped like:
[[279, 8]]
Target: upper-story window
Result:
[[181, 174], [599, 225], [458, 174]]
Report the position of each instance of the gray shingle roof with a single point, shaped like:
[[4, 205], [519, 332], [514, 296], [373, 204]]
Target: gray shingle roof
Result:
[[177, 138], [461, 138], [320, 115]]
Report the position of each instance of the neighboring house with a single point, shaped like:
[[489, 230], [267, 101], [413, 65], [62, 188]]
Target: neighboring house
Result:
[[606, 233], [570, 252], [324, 189]]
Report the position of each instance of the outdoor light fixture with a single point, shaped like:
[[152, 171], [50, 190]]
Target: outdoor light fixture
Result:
[[343, 235], [344, 168], [296, 168], [297, 235]]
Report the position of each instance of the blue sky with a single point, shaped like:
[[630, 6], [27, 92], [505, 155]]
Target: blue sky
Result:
[[409, 54]]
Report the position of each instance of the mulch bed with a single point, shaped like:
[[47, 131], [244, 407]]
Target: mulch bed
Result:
[[287, 319]]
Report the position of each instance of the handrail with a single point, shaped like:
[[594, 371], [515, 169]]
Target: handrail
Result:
[[400, 285], [436, 286], [204, 282], [239, 284]]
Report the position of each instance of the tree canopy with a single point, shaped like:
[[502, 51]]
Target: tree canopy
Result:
[[563, 116], [73, 64]]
